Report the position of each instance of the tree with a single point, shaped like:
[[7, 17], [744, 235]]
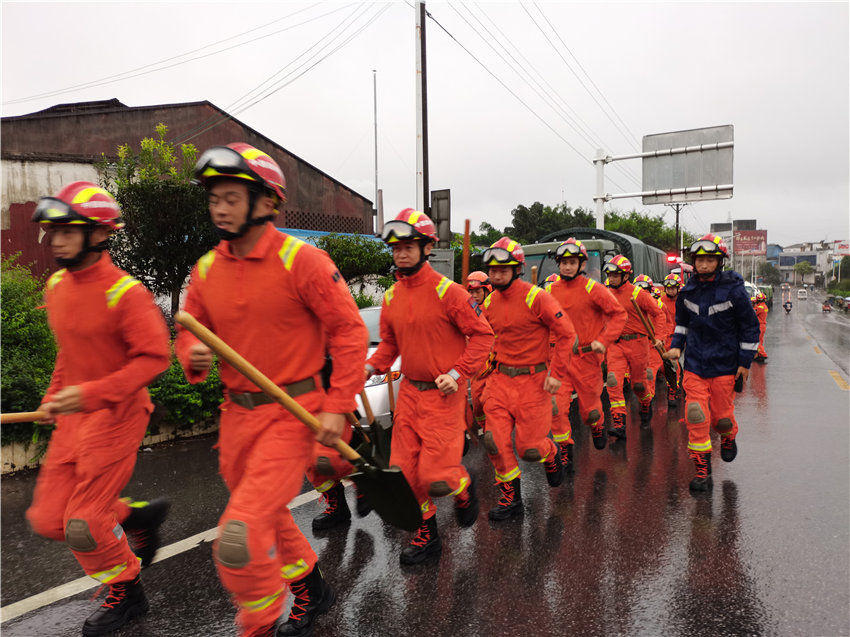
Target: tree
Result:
[[529, 224], [356, 256], [487, 235], [803, 268], [651, 229], [770, 273], [167, 224]]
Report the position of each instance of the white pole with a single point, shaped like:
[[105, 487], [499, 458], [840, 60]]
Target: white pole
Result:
[[420, 203], [379, 205], [599, 162], [375, 103]]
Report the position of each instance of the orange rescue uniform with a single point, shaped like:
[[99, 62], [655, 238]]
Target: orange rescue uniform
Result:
[[112, 341], [596, 316], [761, 314], [669, 306], [436, 327], [523, 316], [630, 352], [281, 307]]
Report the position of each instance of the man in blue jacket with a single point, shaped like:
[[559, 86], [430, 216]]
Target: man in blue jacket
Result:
[[718, 329]]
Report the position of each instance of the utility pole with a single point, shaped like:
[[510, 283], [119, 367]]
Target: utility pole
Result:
[[677, 207], [375, 119], [421, 114]]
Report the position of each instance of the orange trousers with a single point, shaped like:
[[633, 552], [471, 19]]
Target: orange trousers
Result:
[[710, 403], [327, 466], [427, 443], [479, 396], [90, 459], [633, 357], [517, 404], [263, 455], [762, 329], [585, 380]]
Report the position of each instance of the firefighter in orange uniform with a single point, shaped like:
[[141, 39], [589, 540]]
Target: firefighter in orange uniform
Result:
[[443, 339], [282, 304], [631, 350], [672, 284], [598, 320], [520, 388], [759, 302], [479, 288], [112, 341]]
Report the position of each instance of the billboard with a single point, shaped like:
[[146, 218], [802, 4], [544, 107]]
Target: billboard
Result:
[[841, 248], [691, 173], [750, 242]]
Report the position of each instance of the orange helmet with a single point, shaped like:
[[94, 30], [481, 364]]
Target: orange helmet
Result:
[[477, 280], [643, 281], [618, 263], [572, 247], [80, 203], [710, 245], [505, 251], [672, 281], [241, 161], [409, 224]]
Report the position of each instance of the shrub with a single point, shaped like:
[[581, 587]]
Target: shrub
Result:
[[187, 404], [29, 350], [364, 300]]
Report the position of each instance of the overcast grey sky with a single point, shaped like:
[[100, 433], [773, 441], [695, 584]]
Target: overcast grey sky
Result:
[[777, 72]]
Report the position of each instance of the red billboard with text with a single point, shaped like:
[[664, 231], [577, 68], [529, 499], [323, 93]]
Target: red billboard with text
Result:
[[751, 242]]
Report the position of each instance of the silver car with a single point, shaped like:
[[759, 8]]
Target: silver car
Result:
[[377, 390]]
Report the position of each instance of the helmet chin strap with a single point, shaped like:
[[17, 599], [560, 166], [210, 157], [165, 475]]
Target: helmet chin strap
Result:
[[87, 248], [415, 268], [249, 222], [505, 286], [620, 284]]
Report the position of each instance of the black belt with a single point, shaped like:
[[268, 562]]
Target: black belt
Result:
[[628, 337], [584, 349], [520, 371], [252, 399], [422, 385]]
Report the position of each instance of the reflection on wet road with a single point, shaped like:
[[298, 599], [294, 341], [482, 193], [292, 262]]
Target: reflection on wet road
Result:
[[621, 548]]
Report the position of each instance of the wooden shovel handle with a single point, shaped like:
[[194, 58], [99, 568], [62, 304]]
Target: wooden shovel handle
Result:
[[391, 390], [647, 324], [370, 415], [258, 378], [23, 416]]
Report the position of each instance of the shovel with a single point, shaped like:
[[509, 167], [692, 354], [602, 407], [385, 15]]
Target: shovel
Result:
[[23, 416], [380, 444], [670, 371], [386, 490]]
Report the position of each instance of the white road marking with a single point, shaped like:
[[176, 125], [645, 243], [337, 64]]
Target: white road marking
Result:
[[69, 589]]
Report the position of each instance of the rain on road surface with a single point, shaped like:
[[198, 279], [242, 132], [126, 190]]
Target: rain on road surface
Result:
[[620, 548]]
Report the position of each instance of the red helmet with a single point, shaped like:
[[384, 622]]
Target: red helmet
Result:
[[549, 280], [81, 202], [656, 292], [643, 281], [618, 263], [241, 161], [572, 247], [505, 251], [477, 280], [672, 281], [409, 224], [709, 245]]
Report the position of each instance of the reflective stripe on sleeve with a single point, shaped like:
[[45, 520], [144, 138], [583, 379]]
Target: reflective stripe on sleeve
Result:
[[204, 263], [680, 329], [719, 307], [693, 307], [749, 346], [118, 289], [590, 284], [532, 294], [288, 250], [442, 286]]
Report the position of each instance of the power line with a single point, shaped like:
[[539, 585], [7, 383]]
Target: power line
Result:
[[280, 86], [587, 133], [139, 71], [558, 35], [584, 86]]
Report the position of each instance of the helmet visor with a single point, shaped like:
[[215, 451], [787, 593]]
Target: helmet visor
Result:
[[706, 247], [399, 231], [52, 210], [221, 161], [611, 268], [670, 283], [644, 285], [567, 250], [498, 256]]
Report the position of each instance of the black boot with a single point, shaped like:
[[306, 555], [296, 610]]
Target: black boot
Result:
[[125, 601], [313, 597], [618, 426], [728, 448], [554, 466], [425, 543], [567, 455], [363, 506], [510, 503], [336, 512], [466, 505], [142, 528], [702, 463], [645, 412], [597, 432]]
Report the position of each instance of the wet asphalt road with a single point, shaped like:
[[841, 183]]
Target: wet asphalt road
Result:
[[621, 548]]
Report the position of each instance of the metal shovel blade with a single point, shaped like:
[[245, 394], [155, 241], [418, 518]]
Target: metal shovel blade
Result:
[[390, 495]]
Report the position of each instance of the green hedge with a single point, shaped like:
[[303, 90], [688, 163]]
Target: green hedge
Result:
[[187, 405]]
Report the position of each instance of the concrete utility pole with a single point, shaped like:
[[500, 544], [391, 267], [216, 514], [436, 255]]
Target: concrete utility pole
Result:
[[375, 112], [421, 114]]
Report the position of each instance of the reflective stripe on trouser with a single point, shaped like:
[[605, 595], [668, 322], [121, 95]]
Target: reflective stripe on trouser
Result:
[[263, 455], [711, 398], [519, 404], [428, 440], [629, 356], [586, 381], [90, 459], [327, 466]]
